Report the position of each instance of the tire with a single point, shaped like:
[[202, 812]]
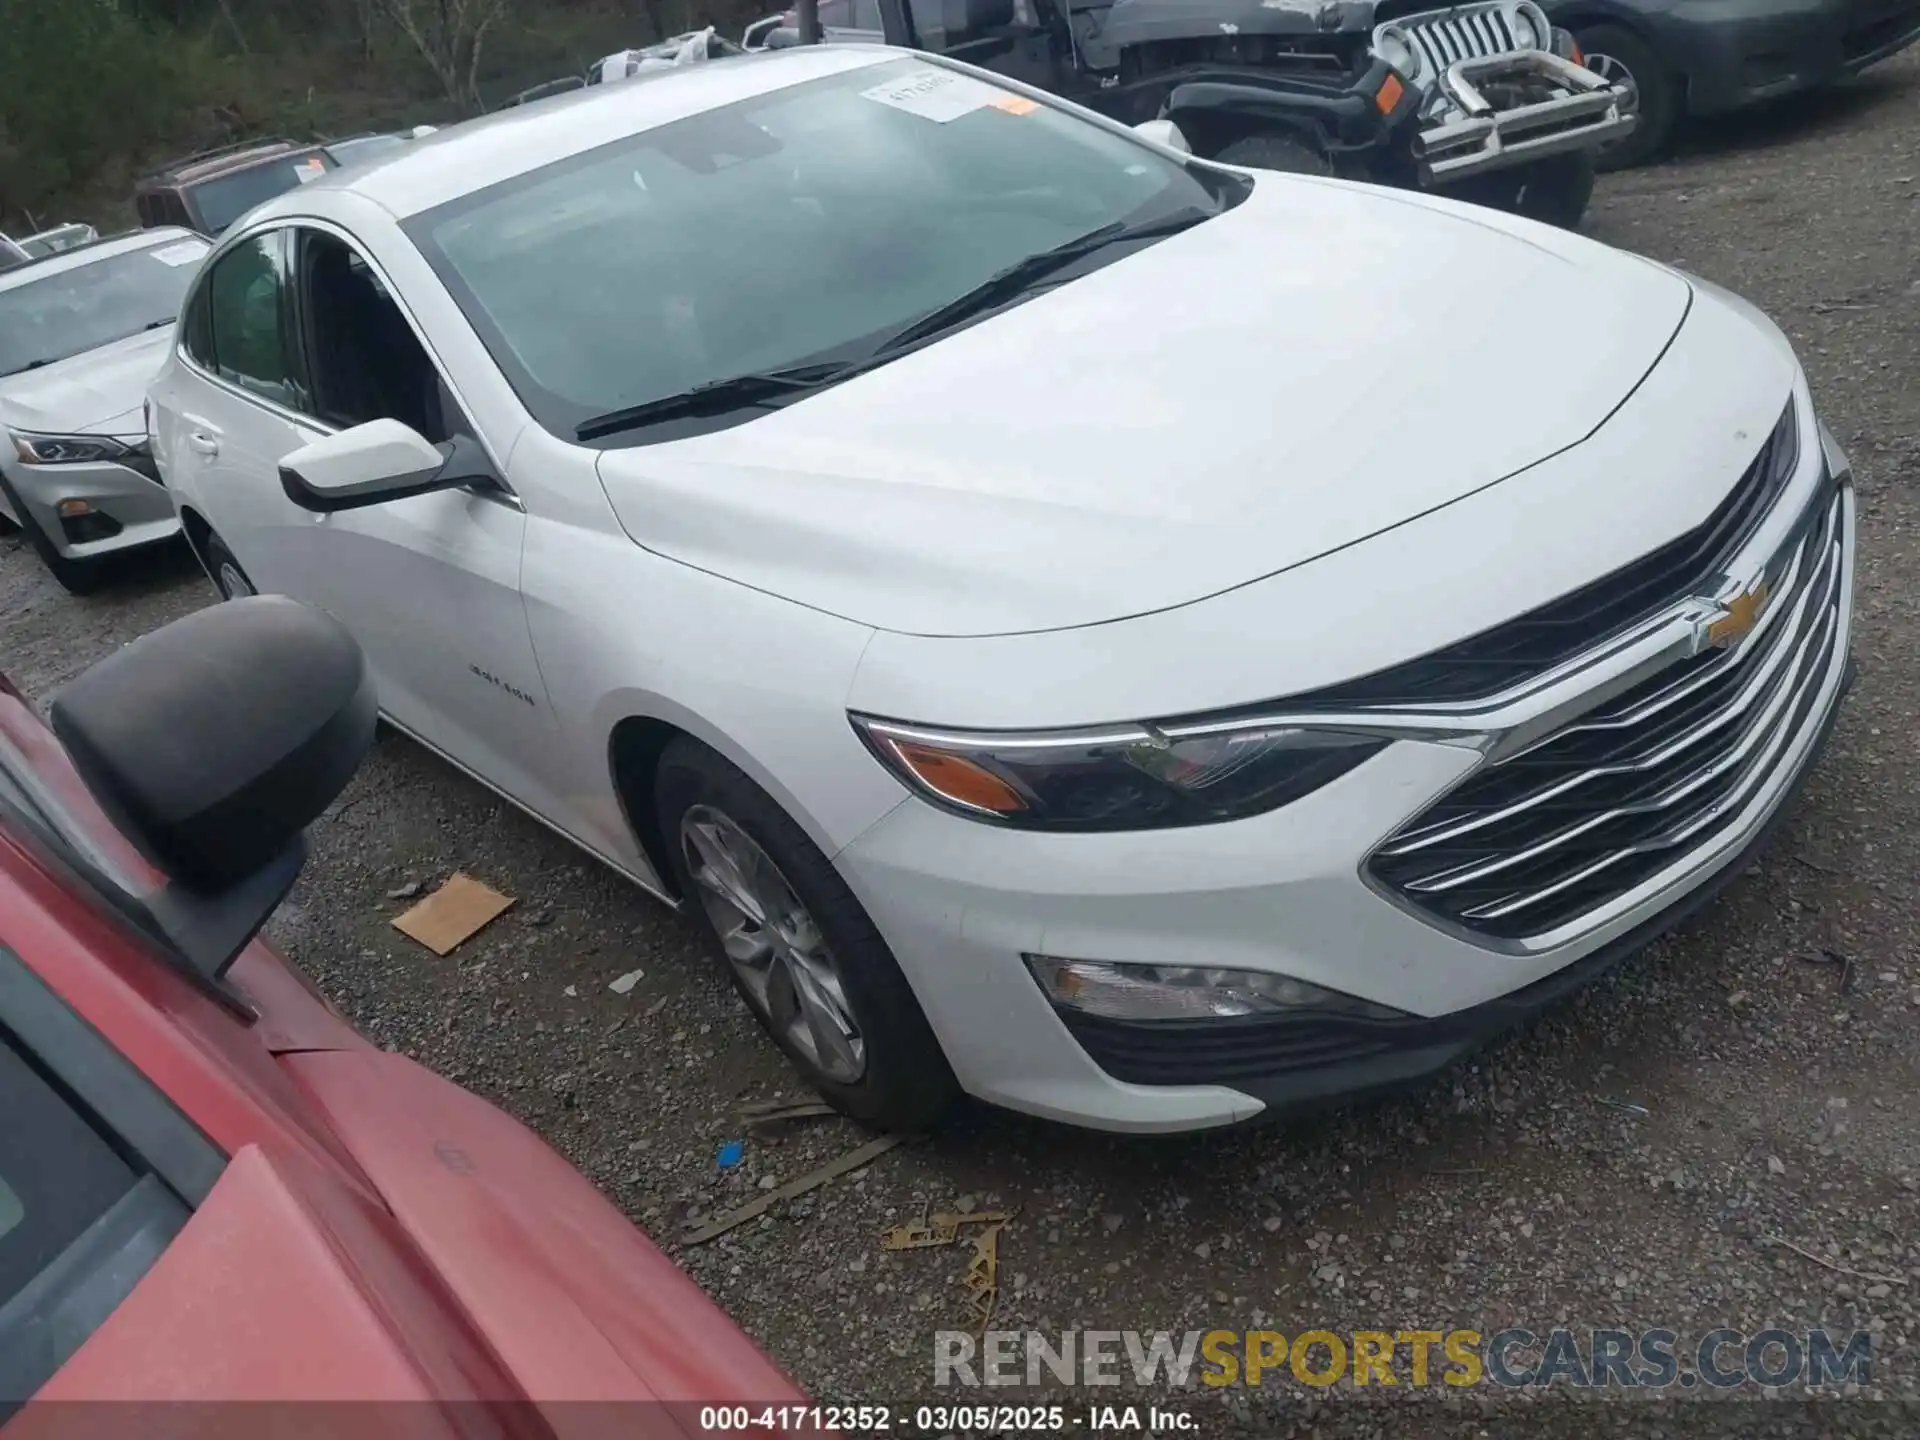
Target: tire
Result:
[[1616, 53], [76, 577], [225, 572], [1274, 150], [1556, 191], [902, 1081]]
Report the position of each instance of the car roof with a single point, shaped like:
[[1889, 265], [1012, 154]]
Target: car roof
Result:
[[476, 154], [192, 171], [101, 249]]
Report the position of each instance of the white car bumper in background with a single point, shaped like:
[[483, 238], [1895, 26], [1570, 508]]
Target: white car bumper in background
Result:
[[95, 507]]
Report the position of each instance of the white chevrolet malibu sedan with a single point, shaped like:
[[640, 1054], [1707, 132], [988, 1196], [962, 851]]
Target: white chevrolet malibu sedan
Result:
[[1140, 642]]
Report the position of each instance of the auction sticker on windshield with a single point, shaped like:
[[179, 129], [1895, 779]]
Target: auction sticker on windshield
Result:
[[189, 253], [937, 95]]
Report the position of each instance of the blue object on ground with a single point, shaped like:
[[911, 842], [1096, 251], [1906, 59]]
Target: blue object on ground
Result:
[[731, 1154]]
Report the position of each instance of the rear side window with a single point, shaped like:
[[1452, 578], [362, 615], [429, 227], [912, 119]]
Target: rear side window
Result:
[[246, 296], [57, 1175]]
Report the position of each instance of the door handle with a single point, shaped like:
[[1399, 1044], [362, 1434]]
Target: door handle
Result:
[[202, 443]]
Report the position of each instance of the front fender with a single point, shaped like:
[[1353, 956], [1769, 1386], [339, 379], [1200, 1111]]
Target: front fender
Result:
[[1334, 117]]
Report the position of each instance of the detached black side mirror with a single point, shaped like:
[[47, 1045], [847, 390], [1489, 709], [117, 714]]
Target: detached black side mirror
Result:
[[380, 461], [212, 743]]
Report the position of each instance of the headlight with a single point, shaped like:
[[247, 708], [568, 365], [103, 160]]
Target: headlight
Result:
[[1186, 992], [1393, 47], [1129, 777], [65, 449]]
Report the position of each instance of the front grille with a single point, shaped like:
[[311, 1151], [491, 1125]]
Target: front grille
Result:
[[1517, 651], [1468, 33], [1538, 840]]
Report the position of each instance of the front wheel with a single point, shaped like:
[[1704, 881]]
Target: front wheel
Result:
[[799, 948], [1271, 150], [1556, 191]]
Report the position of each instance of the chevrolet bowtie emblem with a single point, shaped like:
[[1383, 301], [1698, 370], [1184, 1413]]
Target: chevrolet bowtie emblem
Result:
[[1737, 617]]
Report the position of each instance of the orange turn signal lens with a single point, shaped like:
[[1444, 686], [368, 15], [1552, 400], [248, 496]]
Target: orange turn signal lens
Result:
[[1389, 94], [73, 509], [957, 778], [1573, 53]]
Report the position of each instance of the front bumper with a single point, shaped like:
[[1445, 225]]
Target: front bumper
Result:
[[1475, 138], [1287, 892], [1736, 53], [124, 507]]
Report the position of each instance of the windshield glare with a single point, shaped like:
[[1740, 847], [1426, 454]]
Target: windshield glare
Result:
[[224, 199], [782, 229], [81, 307]]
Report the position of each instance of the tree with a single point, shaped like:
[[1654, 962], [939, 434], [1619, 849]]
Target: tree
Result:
[[450, 36]]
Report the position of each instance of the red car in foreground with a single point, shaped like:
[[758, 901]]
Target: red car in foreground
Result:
[[212, 1188]]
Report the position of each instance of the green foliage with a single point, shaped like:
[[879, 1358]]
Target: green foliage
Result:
[[92, 90], [82, 81]]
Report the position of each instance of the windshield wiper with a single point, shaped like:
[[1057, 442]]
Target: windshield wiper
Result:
[[716, 397], [1008, 284], [765, 387]]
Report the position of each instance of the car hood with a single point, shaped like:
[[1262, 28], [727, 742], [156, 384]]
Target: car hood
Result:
[[95, 392], [1321, 363]]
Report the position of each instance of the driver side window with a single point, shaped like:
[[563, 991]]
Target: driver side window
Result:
[[367, 362]]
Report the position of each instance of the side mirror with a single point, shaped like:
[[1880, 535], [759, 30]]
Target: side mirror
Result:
[[212, 743], [1164, 132], [378, 462]]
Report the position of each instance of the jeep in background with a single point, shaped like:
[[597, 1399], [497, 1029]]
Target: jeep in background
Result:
[[1485, 101], [210, 190]]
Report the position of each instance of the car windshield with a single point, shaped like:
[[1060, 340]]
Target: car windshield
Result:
[[801, 225], [68, 309], [225, 198]]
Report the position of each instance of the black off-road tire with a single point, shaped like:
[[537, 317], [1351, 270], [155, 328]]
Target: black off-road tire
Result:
[[1274, 150], [76, 577], [907, 1084], [1556, 191], [1659, 88]]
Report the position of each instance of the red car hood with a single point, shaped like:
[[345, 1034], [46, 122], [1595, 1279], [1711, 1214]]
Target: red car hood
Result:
[[496, 1273], [574, 1301]]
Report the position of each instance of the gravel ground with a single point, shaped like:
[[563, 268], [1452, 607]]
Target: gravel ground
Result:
[[1650, 1155]]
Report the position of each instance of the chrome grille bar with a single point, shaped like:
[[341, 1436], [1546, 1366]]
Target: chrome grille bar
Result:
[[1534, 840], [1638, 710]]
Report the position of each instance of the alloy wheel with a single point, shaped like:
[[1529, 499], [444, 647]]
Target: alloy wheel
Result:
[[233, 585], [774, 945]]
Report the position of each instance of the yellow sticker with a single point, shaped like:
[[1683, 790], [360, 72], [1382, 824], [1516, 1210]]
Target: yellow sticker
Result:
[[1016, 104]]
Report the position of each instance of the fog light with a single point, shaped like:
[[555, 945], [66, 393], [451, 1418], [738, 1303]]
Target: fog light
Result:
[[74, 509], [1187, 992]]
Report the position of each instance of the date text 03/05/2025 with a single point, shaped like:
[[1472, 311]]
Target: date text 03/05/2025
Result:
[[946, 1419]]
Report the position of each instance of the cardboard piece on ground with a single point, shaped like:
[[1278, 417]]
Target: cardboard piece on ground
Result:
[[456, 912]]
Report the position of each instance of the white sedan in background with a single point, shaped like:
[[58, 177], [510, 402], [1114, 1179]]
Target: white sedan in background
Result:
[[1139, 642], [82, 332]]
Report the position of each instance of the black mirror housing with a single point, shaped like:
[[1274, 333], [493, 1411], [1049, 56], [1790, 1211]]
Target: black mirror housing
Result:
[[214, 741]]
